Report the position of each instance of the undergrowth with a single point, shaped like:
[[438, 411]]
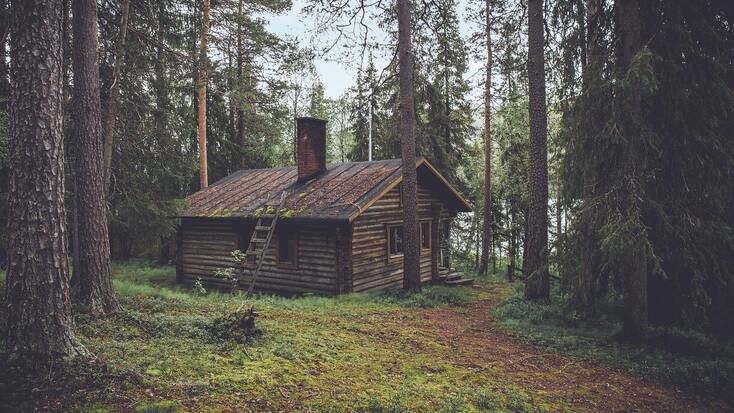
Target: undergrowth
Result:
[[687, 359]]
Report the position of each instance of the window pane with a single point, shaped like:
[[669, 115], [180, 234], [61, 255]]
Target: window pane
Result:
[[396, 240]]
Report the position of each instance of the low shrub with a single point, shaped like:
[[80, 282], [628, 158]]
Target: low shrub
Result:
[[238, 326]]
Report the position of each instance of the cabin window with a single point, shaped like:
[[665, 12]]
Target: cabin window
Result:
[[426, 236], [287, 249], [395, 240]]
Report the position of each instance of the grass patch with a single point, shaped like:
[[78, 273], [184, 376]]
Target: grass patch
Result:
[[684, 358], [428, 297], [318, 353]]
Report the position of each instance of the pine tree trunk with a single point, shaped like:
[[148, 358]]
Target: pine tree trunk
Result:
[[487, 228], [113, 100], [240, 81], [39, 322], [537, 285], [512, 247], [4, 66], [411, 258], [559, 215], [95, 290], [628, 33], [202, 77]]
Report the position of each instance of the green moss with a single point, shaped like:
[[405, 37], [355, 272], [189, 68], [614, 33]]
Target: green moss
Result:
[[159, 407], [220, 212]]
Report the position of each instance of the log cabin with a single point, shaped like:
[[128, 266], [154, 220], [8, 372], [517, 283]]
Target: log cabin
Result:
[[339, 227]]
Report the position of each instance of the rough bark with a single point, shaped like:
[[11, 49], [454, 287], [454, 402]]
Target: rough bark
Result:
[[240, 81], [94, 287], [537, 286], [512, 247], [628, 33], [39, 322], [113, 100], [487, 212], [201, 78], [411, 257], [4, 66]]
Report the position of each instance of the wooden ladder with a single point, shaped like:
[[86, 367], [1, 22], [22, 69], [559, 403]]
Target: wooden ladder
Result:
[[259, 245]]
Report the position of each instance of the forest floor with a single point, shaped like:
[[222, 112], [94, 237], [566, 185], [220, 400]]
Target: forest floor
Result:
[[359, 352]]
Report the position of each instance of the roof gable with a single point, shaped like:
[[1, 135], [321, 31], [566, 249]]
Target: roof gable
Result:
[[343, 192]]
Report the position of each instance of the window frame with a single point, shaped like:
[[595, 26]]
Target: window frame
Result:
[[390, 255], [422, 250], [292, 244]]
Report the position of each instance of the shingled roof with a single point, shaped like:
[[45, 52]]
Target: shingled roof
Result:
[[342, 192]]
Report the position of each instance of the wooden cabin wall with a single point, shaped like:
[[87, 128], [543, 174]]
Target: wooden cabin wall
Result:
[[206, 246], [316, 270], [371, 267]]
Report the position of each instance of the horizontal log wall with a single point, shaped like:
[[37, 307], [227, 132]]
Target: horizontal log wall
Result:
[[206, 246], [372, 269]]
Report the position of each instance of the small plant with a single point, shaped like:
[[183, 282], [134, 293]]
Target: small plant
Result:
[[198, 287], [233, 275], [229, 275], [488, 400]]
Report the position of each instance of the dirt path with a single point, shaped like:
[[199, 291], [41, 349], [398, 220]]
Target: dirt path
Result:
[[476, 342]]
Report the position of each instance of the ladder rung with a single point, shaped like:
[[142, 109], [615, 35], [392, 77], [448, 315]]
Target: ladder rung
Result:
[[258, 240], [253, 252], [262, 228]]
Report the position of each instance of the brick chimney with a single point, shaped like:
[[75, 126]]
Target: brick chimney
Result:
[[310, 147]]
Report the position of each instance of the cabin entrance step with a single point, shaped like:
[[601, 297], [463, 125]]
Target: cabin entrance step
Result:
[[449, 276]]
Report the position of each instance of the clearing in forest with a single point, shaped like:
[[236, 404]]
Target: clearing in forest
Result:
[[358, 352]]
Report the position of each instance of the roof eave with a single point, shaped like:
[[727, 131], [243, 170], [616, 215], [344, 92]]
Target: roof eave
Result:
[[397, 180]]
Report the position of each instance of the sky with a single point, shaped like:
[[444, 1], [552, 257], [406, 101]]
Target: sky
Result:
[[338, 76]]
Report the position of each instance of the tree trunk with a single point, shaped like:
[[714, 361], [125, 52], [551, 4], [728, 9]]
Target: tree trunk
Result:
[[494, 256], [537, 285], [411, 258], [113, 100], [240, 80], [4, 66], [39, 322], [203, 63], [559, 228], [628, 25], [487, 229], [95, 290], [512, 248]]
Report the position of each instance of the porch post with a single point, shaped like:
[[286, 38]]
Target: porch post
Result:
[[436, 210]]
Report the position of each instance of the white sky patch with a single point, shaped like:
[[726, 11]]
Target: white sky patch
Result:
[[339, 74]]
